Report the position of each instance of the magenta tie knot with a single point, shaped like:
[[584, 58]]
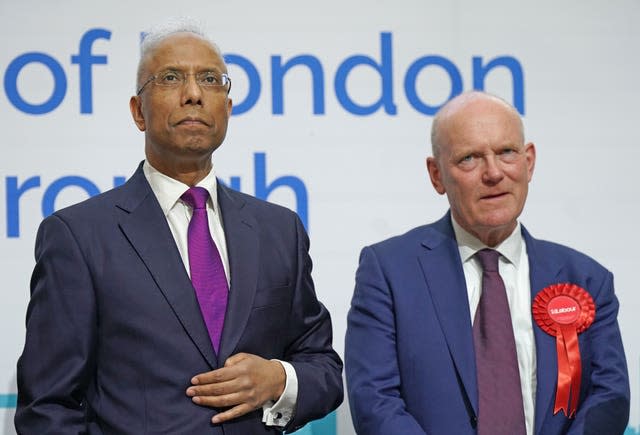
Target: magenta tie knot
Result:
[[196, 197]]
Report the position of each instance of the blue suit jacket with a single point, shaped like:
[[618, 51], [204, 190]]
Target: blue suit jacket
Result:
[[409, 354], [114, 331]]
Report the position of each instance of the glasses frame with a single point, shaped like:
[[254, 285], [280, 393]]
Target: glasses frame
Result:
[[224, 76]]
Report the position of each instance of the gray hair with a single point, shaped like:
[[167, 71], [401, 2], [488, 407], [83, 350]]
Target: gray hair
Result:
[[156, 34], [450, 107]]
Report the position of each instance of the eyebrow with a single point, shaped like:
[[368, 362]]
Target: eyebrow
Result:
[[198, 70]]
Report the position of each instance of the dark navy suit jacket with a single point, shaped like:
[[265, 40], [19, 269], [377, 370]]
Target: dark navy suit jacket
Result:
[[114, 331], [409, 355]]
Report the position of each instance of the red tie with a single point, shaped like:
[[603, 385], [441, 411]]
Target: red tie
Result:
[[501, 410]]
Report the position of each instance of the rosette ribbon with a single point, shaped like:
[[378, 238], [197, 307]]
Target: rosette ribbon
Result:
[[564, 311]]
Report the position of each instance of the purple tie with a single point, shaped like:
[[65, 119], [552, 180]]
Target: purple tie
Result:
[[501, 410], [207, 271]]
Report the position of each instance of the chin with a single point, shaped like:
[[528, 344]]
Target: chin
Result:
[[199, 148], [497, 220]]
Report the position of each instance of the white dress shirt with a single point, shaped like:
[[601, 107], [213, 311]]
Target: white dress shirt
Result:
[[168, 192], [514, 270]]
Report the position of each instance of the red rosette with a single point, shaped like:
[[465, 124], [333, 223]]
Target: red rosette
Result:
[[564, 311]]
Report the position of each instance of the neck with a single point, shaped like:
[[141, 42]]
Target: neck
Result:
[[494, 236], [188, 172], [489, 236]]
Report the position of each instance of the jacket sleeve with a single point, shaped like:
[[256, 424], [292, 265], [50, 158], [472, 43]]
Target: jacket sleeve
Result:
[[373, 375], [318, 367], [57, 359], [604, 407]]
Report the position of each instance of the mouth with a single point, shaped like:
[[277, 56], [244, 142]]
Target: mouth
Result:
[[494, 196], [192, 121]]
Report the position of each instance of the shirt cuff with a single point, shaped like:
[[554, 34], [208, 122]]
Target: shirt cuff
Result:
[[280, 413]]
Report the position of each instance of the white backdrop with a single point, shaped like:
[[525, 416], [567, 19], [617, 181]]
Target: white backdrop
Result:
[[363, 174]]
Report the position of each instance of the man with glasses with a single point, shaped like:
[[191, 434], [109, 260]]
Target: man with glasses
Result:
[[173, 304]]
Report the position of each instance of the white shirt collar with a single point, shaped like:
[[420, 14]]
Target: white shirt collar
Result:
[[468, 244], [169, 190]]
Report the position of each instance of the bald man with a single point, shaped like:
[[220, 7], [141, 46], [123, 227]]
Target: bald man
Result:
[[441, 338]]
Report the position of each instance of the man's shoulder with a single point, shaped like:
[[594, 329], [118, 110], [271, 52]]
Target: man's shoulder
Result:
[[96, 205], [408, 237], [557, 253], [92, 218], [428, 235], [257, 206]]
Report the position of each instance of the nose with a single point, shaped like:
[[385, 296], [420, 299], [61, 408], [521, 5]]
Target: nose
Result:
[[191, 91], [493, 172]]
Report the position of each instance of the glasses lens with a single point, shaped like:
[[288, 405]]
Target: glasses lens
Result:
[[170, 78], [210, 78]]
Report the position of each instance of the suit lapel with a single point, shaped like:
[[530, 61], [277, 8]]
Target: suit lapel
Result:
[[243, 250], [543, 273], [146, 228], [447, 287], [442, 269]]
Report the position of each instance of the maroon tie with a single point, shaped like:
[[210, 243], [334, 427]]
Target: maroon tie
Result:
[[501, 410], [205, 264]]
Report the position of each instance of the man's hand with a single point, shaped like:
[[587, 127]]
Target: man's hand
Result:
[[245, 383]]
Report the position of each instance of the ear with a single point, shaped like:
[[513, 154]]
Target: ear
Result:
[[135, 105], [530, 155], [435, 175], [229, 106]]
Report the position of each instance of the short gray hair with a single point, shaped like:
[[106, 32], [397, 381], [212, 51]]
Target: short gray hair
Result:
[[156, 34]]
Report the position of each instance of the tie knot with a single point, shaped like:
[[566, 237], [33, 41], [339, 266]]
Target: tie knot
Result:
[[196, 197], [488, 259]]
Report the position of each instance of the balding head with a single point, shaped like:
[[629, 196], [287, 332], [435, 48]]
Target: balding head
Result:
[[472, 101], [481, 163]]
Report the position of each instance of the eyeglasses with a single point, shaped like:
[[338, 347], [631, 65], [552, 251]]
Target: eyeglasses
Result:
[[174, 79]]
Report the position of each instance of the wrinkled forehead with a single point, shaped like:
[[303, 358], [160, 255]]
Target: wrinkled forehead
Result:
[[183, 49], [478, 118]]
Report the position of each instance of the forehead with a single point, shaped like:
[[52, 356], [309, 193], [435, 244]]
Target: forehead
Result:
[[183, 50], [482, 122]]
